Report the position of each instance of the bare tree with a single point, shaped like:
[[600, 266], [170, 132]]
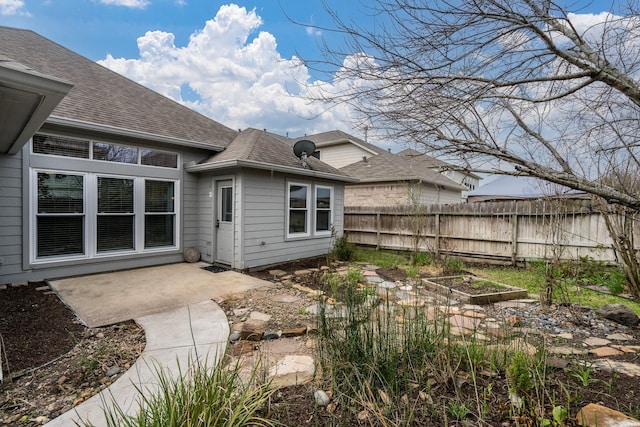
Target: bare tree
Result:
[[526, 87]]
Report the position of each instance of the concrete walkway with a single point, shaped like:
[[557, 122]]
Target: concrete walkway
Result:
[[175, 340], [173, 303]]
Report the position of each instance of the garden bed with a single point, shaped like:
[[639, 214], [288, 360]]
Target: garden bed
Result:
[[473, 290]]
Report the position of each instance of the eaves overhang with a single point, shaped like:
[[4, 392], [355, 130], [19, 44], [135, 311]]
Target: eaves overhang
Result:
[[227, 164], [27, 98]]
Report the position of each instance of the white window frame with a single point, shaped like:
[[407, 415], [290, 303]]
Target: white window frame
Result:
[[33, 216], [90, 205], [322, 233], [308, 209]]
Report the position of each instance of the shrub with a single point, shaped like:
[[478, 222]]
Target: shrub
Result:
[[344, 250]]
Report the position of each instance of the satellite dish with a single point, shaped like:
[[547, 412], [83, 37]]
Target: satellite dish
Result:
[[304, 146], [303, 149]]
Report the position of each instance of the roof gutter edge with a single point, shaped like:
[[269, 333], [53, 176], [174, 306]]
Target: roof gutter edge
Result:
[[266, 166], [54, 120]]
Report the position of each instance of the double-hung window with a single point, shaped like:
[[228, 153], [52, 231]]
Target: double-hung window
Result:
[[160, 214], [324, 209], [298, 200], [115, 217], [309, 204], [60, 221]]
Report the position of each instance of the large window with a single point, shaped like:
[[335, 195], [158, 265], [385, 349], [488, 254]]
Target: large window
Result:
[[60, 214], [88, 214], [305, 201]]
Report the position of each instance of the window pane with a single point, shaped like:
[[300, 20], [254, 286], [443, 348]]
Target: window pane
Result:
[[159, 196], [323, 198], [298, 196], [297, 221], [115, 153], [115, 195], [158, 231], [60, 193], [45, 144], [323, 222], [115, 232], [227, 204], [59, 235], [158, 158]]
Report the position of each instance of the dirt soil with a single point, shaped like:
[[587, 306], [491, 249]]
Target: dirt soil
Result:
[[51, 362], [38, 329]]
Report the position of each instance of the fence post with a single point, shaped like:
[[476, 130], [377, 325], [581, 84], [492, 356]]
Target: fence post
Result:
[[437, 236], [378, 226], [514, 237]]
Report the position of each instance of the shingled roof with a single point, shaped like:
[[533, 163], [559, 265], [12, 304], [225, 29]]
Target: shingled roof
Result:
[[104, 99], [431, 162], [388, 167], [338, 137], [260, 149]]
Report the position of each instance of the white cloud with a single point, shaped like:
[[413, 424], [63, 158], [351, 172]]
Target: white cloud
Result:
[[11, 7], [232, 73], [135, 4]]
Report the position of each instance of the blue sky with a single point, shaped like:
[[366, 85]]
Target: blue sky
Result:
[[234, 62]]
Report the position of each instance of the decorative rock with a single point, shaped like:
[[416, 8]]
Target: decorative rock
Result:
[[386, 285], [191, 255], [321, 398], [235, 336], [242, 347], [256, 315], [277, 273], [605, 352], [294, 332], [596, 342], [565, 336], [567, 351], [619, 313], [619, 337], [271, 335], [514, 321], [301, 272], [557, 362], [43, 288], [594, 415], [292, 370], [113, 371], [474, 314], [252, 330], [627, 368], [288, 299]]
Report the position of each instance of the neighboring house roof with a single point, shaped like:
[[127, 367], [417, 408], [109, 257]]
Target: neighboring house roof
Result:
[[263, 150], [102, 100], [432, 162], [335, 137], [509, 187], [386, 167]]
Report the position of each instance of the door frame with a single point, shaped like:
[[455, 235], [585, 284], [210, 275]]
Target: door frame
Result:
[[215, 212]]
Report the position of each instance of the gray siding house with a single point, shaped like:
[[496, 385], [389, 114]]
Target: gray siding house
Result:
[[98, 173]]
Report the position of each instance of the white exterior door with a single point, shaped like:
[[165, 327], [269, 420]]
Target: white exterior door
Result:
[[224, 222]]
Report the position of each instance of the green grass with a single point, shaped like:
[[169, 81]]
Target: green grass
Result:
[[384, 259], [530, 279], [533, 282]]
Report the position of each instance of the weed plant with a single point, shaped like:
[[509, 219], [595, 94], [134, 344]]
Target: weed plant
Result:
[[200, 396]]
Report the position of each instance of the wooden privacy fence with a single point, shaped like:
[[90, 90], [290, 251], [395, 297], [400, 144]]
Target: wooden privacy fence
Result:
[[511, 232]]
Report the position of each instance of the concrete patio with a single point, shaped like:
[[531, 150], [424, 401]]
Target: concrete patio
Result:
[[108, 298]]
